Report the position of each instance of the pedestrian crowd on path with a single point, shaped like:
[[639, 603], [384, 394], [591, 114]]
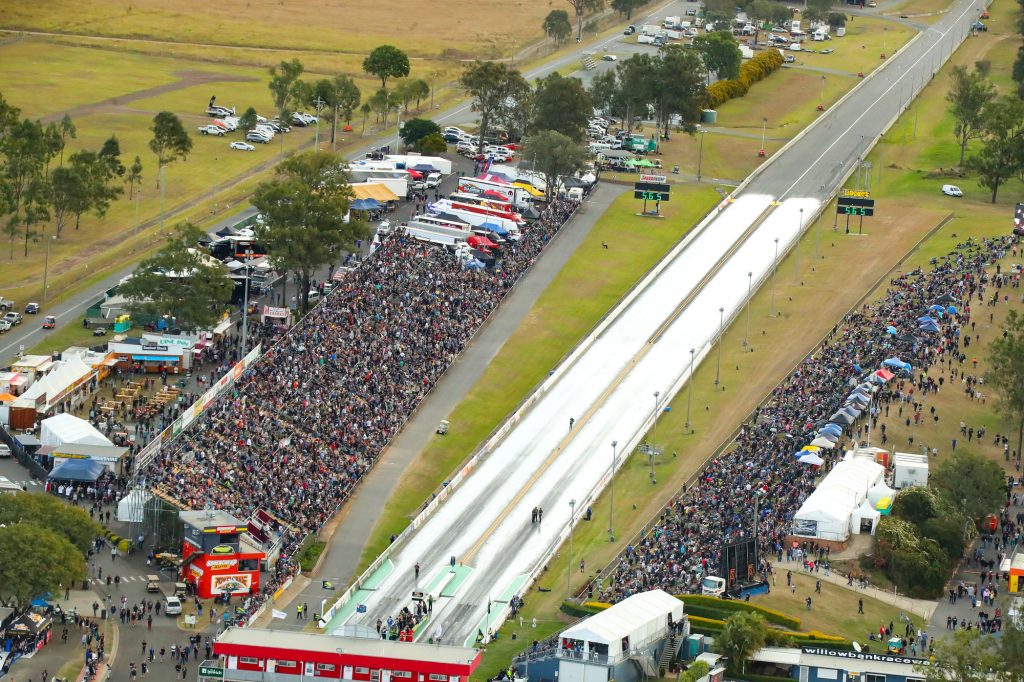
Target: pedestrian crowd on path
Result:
[[685, 543], [308, 420]]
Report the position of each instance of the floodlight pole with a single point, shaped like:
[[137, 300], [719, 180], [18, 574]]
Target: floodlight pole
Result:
[[746, 327], [689, 397], [775, 267], [611, 507], [718, 369]]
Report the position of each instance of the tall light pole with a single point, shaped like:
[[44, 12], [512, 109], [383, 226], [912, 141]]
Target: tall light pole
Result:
[[700, 155], [746, 326], [764, 130], [163, 184], [611, 507], [817, 240], [245, 308], [319, 103], [568, 572], [775, 267], [796, 249], [656, 394], [46, 265], [718, 369], [689, 396]]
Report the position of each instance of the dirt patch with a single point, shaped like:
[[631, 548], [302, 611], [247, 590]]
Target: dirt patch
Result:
[[186, 79]]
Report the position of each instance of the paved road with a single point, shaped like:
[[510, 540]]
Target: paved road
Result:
[[473, 523]]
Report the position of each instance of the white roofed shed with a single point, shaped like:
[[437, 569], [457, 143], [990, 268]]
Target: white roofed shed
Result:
[[629, 624]]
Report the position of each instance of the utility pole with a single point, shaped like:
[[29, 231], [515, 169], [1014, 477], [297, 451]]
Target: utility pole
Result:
[[796, 249], [46, 265], [656, 394], [718, 369], [689, 397], [611, 507], [319, 103], [568, 571], [163, 185], [245, 309], [775, 267], [746, 326], [700, 156]]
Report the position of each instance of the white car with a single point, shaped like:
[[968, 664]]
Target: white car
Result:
[[610, 58], [257, 136], [229, 122], [212, 130], [952, 191], [266, 129], [172, 605], [243, 146]]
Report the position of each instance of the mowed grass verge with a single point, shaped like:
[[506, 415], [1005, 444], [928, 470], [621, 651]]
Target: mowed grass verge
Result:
[[866, 39]]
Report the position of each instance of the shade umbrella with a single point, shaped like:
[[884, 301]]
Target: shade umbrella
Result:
[[811, 459], [891, 330], [951, 310]]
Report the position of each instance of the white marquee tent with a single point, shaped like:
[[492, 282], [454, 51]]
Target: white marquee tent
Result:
[[67, 428], [826, 513], [635, 621], [865, 519]]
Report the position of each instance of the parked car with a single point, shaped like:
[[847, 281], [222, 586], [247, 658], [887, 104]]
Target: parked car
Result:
[[5, 450], [872, 4], [451, 138], [610, 58], [219, 112], [629, 30], [789, 59], [99, 331], [32, 308], [172, 606], [5, 303], [212, 130], [50, 322], [242, 146], [257, 136], [978, 26], [4, 326], [952, 191], [13, 317], [279, 127]]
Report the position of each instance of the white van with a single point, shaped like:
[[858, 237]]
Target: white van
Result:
[[596, 147]]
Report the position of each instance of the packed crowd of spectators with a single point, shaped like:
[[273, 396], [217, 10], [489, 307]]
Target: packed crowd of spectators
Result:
[[308, 420], [685, 543]]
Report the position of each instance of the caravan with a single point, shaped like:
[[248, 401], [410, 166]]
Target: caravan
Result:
[[520, 198]]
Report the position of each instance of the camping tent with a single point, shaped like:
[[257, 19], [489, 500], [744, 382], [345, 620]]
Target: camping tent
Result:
[[864, 519], [67, 428]]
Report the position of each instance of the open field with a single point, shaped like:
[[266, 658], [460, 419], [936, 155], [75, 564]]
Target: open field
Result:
[[788, 99], [861, 48], [457, 29], [919, 10]]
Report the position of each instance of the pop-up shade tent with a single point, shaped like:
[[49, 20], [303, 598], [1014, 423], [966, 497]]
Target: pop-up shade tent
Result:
[[926, 318], [897, 364], [424, 168], [832, 428], [864, 519], [946, 298], [85, 470], [907, 338], [366, 205], [481, 242], [884, 375], [823, 442], [842, 418], [811, 458], [930, 327]]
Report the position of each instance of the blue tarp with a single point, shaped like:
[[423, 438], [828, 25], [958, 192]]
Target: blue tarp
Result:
[[495, 228], [76, 470], [891, 330], [897, 363], [424, 168], [366, 205]]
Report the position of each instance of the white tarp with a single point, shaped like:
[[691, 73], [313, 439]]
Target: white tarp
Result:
[[826, 513], [130, 508], [640, 618], [67, 428]]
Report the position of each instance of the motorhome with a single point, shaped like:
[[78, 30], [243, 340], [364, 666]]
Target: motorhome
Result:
[[519, 197], [444, 166], [475, 219], [435, 234]]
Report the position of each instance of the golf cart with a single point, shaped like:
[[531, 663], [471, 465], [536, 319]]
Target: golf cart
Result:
[[442, 428], [99, 331], [49, 322], [152, 583]]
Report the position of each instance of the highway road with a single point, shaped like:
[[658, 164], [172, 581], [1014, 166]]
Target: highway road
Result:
[[634, 365]]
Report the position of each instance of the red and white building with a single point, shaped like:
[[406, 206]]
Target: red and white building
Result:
[[256, 655]]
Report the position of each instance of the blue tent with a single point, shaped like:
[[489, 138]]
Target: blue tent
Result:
[[424, 168], [76, 470], [897, 363], [366, 205], [951, 310], [935, 307], [929, 327], [925, 319], [495, 228], [835, 429], [830, 437]]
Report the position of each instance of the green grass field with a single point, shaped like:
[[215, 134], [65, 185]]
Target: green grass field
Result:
[[861, 48]]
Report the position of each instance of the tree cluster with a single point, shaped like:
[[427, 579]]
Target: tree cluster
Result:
[[973, 656], [981, 113], [762, 65], [927, 532], [40, 185], [43, 543], [667, 87]]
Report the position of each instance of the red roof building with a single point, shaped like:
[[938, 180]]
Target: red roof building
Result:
[[255, 655]]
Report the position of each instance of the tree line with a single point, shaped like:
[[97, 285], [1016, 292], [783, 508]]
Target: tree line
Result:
[[42, 189]]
